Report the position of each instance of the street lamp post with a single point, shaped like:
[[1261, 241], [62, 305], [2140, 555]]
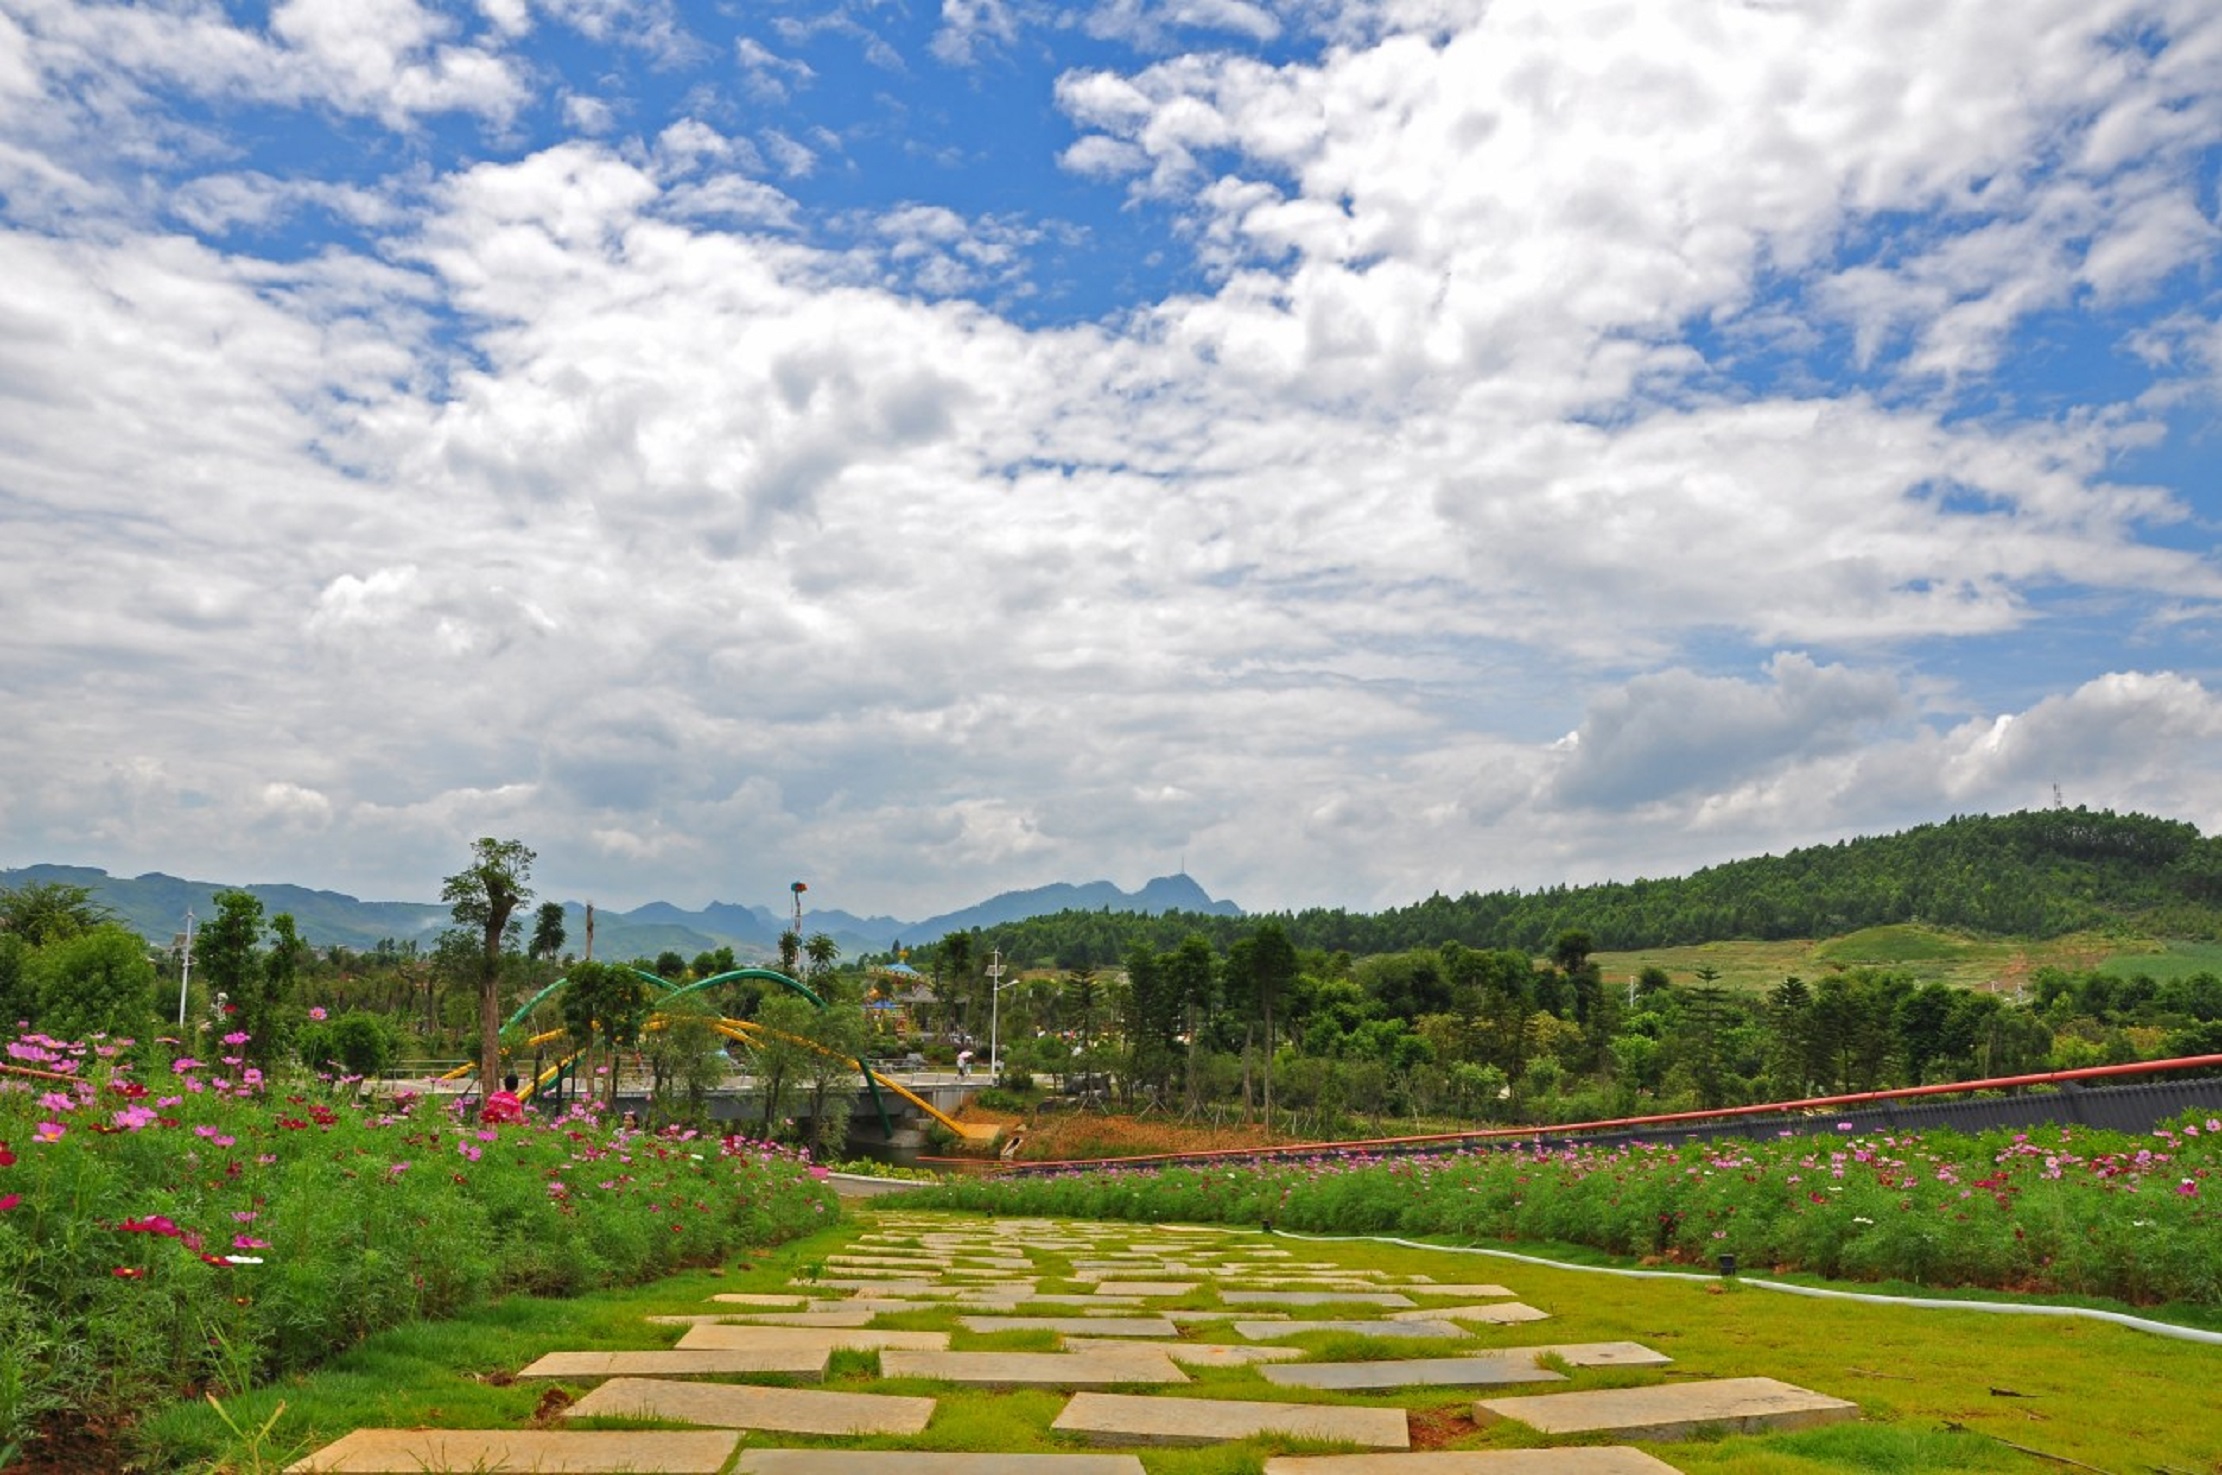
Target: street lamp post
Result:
[[185, 977], [995, 1017]]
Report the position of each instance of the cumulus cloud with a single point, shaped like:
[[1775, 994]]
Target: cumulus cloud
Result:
[[613, 496], [1677, 732]]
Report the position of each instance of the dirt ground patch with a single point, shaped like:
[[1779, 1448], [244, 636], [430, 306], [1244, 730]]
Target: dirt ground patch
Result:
[[1066, 1136], [1437, 1428]]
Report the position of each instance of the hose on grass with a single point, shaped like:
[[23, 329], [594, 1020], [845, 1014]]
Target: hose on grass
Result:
[[1925, 1303]]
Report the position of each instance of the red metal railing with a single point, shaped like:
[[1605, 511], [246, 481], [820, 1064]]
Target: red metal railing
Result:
[[1615, 1124]]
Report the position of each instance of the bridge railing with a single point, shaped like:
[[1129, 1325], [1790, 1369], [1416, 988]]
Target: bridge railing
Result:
[[2091, 1096]]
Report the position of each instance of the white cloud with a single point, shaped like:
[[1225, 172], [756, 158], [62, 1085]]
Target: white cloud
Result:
[[588, 114], [1676, 731], [389, 59], [971, 30], [770, 77], [1152, 24], [599, 505]]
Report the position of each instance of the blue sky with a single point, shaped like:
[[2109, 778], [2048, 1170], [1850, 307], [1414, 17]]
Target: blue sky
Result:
[[928, 449]]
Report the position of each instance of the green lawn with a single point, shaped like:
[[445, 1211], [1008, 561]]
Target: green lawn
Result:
[[2169, 960], [1927, 953], [1939, 1391]]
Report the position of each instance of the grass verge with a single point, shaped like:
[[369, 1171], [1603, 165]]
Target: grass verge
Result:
[[1940, 1391]]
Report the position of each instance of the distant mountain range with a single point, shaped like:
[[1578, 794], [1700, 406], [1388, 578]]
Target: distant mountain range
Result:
[[155, 905]]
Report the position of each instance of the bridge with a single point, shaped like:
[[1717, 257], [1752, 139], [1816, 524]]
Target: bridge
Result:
[[897, 1110]]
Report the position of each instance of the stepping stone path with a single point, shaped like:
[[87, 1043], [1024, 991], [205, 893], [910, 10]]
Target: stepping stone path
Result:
[[1105, 1369], [738, 1406], [1105, 1309], [1123, 1418], [1315, 1298], [1600, 1459], [1266, 1331], [1740, 1405], [1428, 1372]]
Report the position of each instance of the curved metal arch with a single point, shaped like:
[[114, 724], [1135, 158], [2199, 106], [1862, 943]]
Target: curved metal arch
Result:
[[673, 991]]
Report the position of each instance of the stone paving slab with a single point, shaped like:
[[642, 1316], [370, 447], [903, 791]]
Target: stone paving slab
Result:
[[1315, 1298], [1599, 1354], [1499, 1313], [740, 1406], [513, 1451], [1194, 1354], [1487, 1370], [808, 1361], [1224, 1313], [1097, 1368], [1673, 1410], [1111, 1289], [723, 1337], [1127, 1418], [751, 1298], [1272, 1331], [1436, 1288], [1085, 1326], [915, 1462], [842, 1316], [1595, 1459], [916, 1288]]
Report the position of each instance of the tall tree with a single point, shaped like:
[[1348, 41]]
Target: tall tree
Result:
[[226, 950], [48, 911], [264, 1018], [605, 1002], [1192, 977], [484, 895], [547, 930], [1272, 970]]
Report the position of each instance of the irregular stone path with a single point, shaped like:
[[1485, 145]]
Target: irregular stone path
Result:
[[1112, 1338]]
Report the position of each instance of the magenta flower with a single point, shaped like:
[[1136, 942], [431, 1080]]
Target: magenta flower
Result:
[[49, 1132]]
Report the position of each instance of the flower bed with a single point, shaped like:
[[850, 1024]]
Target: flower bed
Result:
[[2060, 1210], [169, 1225]]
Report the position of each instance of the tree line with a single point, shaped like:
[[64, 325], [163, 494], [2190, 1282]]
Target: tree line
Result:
[[2037, 873], [1313, 1041]]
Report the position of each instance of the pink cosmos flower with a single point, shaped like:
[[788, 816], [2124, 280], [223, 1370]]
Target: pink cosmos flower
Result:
[[316, 1011], [50, 1132]]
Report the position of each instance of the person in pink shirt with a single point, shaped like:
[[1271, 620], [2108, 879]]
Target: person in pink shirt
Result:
[[503, 1105]]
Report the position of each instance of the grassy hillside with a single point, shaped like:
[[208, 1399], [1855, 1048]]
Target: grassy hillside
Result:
[[2039, 874], [1930, 955]]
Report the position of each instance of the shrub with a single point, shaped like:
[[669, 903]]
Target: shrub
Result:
[[169, 1225]]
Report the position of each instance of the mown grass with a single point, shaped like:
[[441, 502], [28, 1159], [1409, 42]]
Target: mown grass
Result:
[[2164, 961], [1927, 953], [1939, 1391]]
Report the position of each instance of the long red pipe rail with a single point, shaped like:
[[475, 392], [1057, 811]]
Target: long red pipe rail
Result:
[[1771, 1108]]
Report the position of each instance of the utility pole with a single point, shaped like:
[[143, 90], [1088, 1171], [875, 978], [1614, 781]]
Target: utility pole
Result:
[[590, 932], [185, 978]]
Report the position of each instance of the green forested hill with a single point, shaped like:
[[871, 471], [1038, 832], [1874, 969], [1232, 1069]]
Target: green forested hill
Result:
[[2038, 873]]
